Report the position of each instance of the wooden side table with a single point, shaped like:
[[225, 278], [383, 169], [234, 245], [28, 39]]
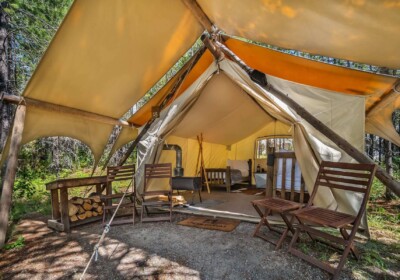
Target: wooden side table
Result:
[[59, 199]]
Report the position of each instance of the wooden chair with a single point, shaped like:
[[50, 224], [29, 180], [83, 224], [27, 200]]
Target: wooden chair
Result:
[[153, 173], [356, 178], [124, 174], [284, 199]]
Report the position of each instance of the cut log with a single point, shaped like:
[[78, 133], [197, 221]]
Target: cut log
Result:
[[87, 200], [81, 210], [99, 209], [76, 200], [72, 209], [82, 216], [95, 214], [88, 214], [96, 199], [73, 218], [95, 205], [87, 206]]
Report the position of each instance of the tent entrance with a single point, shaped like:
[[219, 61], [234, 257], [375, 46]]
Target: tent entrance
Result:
[[219, 203]]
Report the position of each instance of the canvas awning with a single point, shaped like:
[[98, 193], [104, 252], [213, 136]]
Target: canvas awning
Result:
[[107, 54], [361, 31], [104, 57]]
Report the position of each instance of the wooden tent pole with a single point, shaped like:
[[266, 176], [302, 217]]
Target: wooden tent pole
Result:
[[14, 99], [202, 166], [201, 17], [11, 170], [261, 80], [163, 103]]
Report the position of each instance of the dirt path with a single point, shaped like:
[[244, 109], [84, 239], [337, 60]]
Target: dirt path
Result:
[[151, 251]]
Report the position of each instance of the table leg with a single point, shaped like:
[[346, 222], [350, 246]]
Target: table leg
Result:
[[64, 209], [108, 192], [55, 205], [98, 189]]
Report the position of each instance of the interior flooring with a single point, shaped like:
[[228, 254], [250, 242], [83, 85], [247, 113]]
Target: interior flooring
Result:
[[219, 203]]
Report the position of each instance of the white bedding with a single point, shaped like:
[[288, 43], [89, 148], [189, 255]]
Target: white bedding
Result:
[[241, 165], [288, 175]]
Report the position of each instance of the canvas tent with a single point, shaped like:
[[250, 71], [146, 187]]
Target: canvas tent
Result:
[[107, 54]]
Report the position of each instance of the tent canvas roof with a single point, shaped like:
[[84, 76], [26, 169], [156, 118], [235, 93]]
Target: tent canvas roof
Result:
[[107, 54]]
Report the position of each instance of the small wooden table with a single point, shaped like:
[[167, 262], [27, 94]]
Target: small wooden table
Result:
[[59, 199]]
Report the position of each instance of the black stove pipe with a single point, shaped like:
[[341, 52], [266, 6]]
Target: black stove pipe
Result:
[[178, 170]]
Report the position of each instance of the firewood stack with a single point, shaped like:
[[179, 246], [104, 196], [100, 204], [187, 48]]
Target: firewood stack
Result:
[[83, 208]]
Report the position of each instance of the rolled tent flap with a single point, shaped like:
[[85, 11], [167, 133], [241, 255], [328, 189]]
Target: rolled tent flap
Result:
[[338, 111], [126, 135], [150, 146], [379, 121], [42, 123]]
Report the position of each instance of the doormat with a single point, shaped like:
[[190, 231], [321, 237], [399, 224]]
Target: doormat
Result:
[[211, 223], [253, 192]]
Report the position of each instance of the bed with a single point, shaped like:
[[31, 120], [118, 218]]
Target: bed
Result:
[[288, 183], [236, 172]]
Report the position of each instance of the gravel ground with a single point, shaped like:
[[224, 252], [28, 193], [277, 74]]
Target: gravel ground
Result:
[[151, 251]]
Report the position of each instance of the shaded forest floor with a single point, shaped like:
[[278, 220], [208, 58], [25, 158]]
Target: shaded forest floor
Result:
[[170, 251]]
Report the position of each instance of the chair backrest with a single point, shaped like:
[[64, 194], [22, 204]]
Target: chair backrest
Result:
[[353, 177], [287, 179], [121, 173], [157, 171]]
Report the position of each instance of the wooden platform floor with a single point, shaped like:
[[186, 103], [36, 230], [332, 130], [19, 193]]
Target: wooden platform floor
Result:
[[219, 203]]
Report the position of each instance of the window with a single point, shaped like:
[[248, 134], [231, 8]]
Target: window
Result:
[[275, 143]]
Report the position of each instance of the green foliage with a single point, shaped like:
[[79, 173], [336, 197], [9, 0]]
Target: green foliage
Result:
[[38, 203], [32, 25], [19, 243]]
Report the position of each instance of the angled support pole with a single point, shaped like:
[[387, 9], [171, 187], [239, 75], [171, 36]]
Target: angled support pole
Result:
[[199, 14], [163, 103], [261, 80], [11, 170]]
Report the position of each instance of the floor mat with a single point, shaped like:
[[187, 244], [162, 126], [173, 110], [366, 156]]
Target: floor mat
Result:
[[253, 192], [211, 223]]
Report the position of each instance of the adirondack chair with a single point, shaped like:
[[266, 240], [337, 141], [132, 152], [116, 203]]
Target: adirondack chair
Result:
[[288, 194], [356, 178], [153, 198], [124, 174]]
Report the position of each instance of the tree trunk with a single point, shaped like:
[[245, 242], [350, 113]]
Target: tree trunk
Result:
[[371, 146], [5, 85], [389, 166], [11, 170]]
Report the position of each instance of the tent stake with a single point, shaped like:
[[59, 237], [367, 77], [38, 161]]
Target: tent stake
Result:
[[11, 170], [261, 80]]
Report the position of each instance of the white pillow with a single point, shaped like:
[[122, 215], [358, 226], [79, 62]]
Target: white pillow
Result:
[[241, 165]]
